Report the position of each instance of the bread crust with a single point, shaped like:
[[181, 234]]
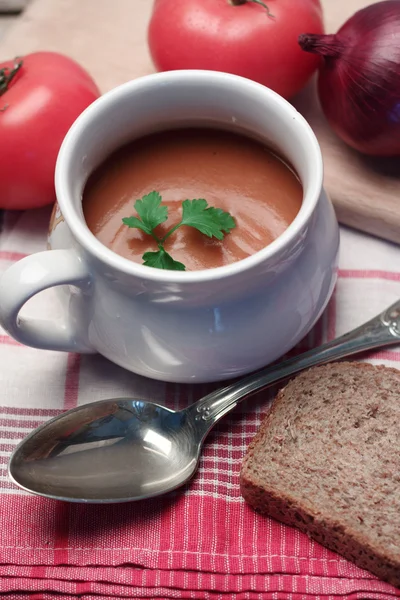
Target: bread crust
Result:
[[307, 516]]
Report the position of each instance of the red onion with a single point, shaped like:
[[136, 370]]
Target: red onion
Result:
[[359, 80]]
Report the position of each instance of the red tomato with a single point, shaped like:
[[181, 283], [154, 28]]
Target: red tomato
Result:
[[38, 107], [220, 36]]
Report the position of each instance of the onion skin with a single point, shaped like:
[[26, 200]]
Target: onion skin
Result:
[[359, 80]]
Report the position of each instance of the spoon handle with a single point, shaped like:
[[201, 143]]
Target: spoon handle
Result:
[[382, 330]]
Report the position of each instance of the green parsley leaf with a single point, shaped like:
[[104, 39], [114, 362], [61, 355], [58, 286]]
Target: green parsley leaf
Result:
[[162, 260], [213, 222], [134, 222], [150, 211]]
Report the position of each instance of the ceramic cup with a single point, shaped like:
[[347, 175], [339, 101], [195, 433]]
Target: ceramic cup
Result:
[[179, 326]]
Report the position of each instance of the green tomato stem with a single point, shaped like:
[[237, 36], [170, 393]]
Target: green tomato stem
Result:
[[7, 75], [260, 2]]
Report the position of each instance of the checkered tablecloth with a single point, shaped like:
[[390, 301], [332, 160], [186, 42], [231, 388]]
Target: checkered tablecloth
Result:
[[201, 541]]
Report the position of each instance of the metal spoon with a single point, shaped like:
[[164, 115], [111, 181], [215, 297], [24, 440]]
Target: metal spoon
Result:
[[129, 449]]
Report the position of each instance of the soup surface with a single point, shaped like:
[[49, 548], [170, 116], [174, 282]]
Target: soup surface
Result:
[[232, 172]]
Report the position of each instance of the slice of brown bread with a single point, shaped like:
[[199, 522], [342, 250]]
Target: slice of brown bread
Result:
[[327, 460]]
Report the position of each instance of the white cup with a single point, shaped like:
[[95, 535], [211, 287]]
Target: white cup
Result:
[[179, 326]]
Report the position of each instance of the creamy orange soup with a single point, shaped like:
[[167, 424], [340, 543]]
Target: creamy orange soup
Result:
[[232, 172]]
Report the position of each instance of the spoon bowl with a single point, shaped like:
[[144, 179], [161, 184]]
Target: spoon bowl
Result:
[[112, 450], [130, 449]]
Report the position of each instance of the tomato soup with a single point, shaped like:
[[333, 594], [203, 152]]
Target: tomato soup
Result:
[[230, 171]]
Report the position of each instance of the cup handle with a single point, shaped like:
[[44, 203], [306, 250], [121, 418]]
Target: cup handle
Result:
[[30, 276]]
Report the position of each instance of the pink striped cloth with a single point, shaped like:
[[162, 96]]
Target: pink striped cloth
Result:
[[199, 542]]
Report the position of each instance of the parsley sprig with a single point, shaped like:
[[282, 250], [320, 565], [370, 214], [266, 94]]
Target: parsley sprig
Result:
[[212, 222]]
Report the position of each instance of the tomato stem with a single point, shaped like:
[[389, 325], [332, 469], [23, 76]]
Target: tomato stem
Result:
[[7, 75], [260, 2]]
